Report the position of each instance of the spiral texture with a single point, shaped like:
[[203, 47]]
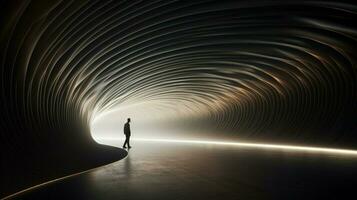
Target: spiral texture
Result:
[[247, 67], [260, 70]]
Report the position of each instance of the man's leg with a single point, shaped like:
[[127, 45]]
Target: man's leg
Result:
[[128, 141], [125, 142]]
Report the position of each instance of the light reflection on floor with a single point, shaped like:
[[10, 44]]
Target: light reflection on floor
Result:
[[204, 171]]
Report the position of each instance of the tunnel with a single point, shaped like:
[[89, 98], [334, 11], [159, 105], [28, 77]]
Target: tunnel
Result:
[[281, 72]]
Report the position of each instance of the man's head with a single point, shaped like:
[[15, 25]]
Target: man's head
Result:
[[128, 119]]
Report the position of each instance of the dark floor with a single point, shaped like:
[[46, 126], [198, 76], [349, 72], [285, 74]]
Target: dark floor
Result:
[[25, 169], [197, 171]]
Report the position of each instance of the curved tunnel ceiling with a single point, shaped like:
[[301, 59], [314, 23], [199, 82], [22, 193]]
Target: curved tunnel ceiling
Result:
[[274, 70]]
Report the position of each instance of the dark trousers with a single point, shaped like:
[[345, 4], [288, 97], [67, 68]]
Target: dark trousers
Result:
[[127, 139]]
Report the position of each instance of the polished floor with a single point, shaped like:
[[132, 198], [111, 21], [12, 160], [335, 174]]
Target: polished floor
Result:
[[159, 170]]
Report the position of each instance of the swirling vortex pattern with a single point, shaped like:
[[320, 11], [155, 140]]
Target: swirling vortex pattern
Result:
[[283, 70]]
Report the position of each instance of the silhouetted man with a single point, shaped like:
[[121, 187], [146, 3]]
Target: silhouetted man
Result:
[[127, 134]]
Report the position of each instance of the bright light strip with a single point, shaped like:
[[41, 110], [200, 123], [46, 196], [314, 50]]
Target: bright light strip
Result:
[[250, 145]]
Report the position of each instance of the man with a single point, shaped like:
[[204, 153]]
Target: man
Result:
[[127, 133]]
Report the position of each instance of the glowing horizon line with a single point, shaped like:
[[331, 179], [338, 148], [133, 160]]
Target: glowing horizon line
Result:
[[309, 149]]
